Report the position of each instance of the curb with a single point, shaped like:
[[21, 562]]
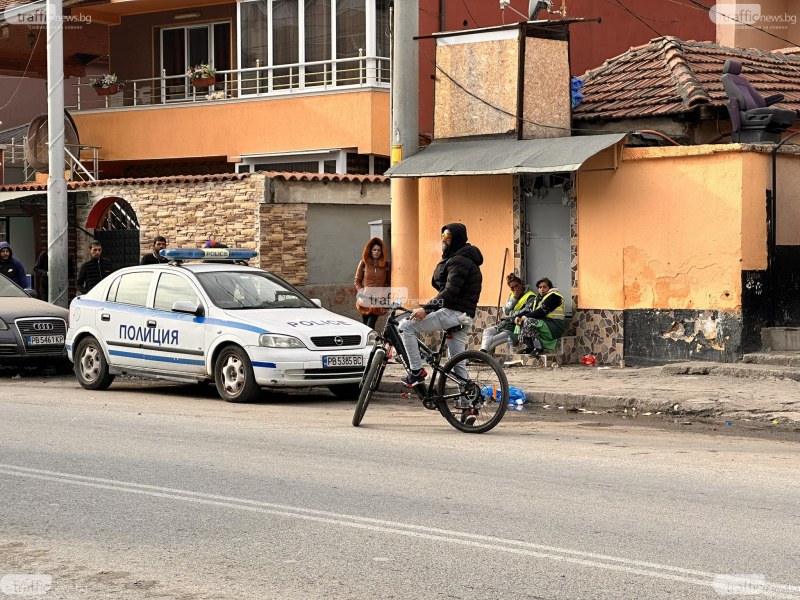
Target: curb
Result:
[[748, 370]]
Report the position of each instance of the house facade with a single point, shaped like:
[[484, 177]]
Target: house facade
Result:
[[669, 252]]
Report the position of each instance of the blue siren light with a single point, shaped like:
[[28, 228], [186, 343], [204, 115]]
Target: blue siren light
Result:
[[208, 253]]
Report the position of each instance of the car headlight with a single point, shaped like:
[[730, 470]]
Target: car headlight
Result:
[[3, 325], [373, 335], [275, 340]]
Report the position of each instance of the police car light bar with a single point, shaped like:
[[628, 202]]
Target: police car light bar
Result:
[[208, 253]]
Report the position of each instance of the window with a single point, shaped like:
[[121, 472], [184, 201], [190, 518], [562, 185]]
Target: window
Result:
[[133, 288], [351, 40], [173, 288], [274, 33], [182, 47]]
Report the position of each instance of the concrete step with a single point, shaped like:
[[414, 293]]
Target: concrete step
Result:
[[781, 339], [778, 359], [749, 370]]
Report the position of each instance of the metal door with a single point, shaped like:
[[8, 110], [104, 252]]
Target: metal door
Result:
[[546, 236]]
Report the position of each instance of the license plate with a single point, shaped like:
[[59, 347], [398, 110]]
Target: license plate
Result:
[[45, 340], [343, 361]]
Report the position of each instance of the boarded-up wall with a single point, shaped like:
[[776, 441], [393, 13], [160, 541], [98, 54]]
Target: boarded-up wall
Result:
[[546, 98], [476, 85]]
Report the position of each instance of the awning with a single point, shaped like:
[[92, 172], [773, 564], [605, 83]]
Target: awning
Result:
[[7, 196], [503, 156]]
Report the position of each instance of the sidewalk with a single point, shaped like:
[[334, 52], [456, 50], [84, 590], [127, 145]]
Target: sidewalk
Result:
[[759, 393]]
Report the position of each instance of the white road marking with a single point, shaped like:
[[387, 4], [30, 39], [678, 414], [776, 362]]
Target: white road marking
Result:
[[579, 557]]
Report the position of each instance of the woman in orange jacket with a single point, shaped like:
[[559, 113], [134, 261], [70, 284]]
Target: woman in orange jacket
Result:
[[372, 282]]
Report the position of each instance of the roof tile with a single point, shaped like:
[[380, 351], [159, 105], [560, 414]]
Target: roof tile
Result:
[[672, 76]]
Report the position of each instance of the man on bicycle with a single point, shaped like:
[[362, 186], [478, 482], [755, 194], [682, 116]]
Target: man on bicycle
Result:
[[458, 280]]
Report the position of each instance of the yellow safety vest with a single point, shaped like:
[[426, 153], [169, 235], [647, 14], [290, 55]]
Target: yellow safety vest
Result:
[[521, 302], [558, 313]]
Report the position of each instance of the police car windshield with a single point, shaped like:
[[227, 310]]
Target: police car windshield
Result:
[[243, 290]]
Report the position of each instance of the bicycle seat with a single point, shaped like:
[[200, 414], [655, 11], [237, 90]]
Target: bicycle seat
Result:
[[454, 329]]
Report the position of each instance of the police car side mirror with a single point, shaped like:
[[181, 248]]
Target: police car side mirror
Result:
[[317, 301], [31, 293], [184, 306]]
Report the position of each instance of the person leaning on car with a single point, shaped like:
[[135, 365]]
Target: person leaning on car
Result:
[[11, 267], [93, 270]]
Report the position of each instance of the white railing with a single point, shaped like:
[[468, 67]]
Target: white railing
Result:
[[261, 80], [76, 158]]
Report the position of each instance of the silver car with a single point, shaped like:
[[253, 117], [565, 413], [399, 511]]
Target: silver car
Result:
[[32, 332]]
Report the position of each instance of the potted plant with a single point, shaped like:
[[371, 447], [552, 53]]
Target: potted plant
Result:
[[202, 75], [105, 85]]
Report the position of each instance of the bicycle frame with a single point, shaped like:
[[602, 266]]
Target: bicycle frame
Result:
[[391, 336]]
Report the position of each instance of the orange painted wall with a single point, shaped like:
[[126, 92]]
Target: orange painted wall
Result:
[[485, 205], [345, 120], [671, 228]]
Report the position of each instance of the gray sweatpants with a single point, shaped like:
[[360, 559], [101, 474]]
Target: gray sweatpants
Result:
[[438, 320], [493, 337]]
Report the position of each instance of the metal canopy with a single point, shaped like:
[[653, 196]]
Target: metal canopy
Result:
[[7, 196], [503, 156]]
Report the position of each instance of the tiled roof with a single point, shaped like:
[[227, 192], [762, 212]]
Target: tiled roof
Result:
[[76, 185], [287, 176], [670, 77]]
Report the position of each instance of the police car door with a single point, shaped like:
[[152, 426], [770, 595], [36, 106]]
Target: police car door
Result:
[[178, 337], [121, 319]]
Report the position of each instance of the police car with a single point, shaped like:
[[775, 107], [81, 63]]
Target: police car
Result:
[[216, 320]]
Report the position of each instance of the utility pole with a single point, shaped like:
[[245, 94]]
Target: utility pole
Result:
[[405, 143], [57, 247]]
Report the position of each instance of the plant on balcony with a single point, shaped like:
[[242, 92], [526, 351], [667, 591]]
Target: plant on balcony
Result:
[[202, 75], [105, 85]]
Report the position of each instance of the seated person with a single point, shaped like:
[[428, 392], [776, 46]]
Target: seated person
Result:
[[542, 323], [520, 298]]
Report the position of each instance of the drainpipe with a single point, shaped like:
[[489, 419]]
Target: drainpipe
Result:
[[772, 237]]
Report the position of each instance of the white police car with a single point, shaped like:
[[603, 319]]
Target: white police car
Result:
[[242, 327]]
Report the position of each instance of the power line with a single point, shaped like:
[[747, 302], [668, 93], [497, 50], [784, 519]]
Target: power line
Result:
[[469, 12], [635, 16], [504, 111], [25, 72]]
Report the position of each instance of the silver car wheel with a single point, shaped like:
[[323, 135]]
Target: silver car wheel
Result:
[[233, 376], [90, 363]]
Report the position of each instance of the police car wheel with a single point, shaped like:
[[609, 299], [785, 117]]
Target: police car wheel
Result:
[[233, 374], [346, 391], [91, 367]]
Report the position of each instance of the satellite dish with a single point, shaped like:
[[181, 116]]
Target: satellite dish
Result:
[[36, 148]]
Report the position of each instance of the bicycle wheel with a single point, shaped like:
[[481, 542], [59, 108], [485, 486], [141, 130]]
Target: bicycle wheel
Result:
[[369, 384], [475, 404]]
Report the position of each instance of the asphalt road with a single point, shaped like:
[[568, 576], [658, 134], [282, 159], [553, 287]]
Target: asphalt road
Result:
[[158, 491]]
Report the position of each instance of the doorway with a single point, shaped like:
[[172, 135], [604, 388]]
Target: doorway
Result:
[[546, 232]]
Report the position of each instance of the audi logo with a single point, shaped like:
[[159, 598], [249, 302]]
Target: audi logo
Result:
[[43, 326], [338, 341]]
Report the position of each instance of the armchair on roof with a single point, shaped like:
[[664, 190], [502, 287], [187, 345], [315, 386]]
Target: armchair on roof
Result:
[[753, 119]]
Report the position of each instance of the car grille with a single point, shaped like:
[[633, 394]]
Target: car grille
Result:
[[329, 341], [28, 327]]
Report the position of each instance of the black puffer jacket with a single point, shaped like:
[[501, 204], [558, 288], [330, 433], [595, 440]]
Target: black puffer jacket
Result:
[[457, 277]]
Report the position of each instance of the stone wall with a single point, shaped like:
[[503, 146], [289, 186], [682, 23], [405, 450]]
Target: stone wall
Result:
[[282, 244], [187, 212]]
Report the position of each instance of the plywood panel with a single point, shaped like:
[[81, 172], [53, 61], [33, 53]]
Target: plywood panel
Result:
[[487, 73], [546, 92]]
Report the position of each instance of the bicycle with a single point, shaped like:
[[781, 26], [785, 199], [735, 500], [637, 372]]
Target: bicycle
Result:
[[472, 405]]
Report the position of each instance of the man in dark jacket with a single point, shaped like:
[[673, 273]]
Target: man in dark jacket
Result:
[[93, 270], [153, 257], [458, 280], [11, 267]]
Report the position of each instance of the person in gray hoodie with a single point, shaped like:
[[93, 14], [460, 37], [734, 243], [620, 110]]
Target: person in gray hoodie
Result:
[[11, 267]]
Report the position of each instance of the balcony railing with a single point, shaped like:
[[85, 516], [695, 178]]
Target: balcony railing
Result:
[[82, 162], [277, 80]]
